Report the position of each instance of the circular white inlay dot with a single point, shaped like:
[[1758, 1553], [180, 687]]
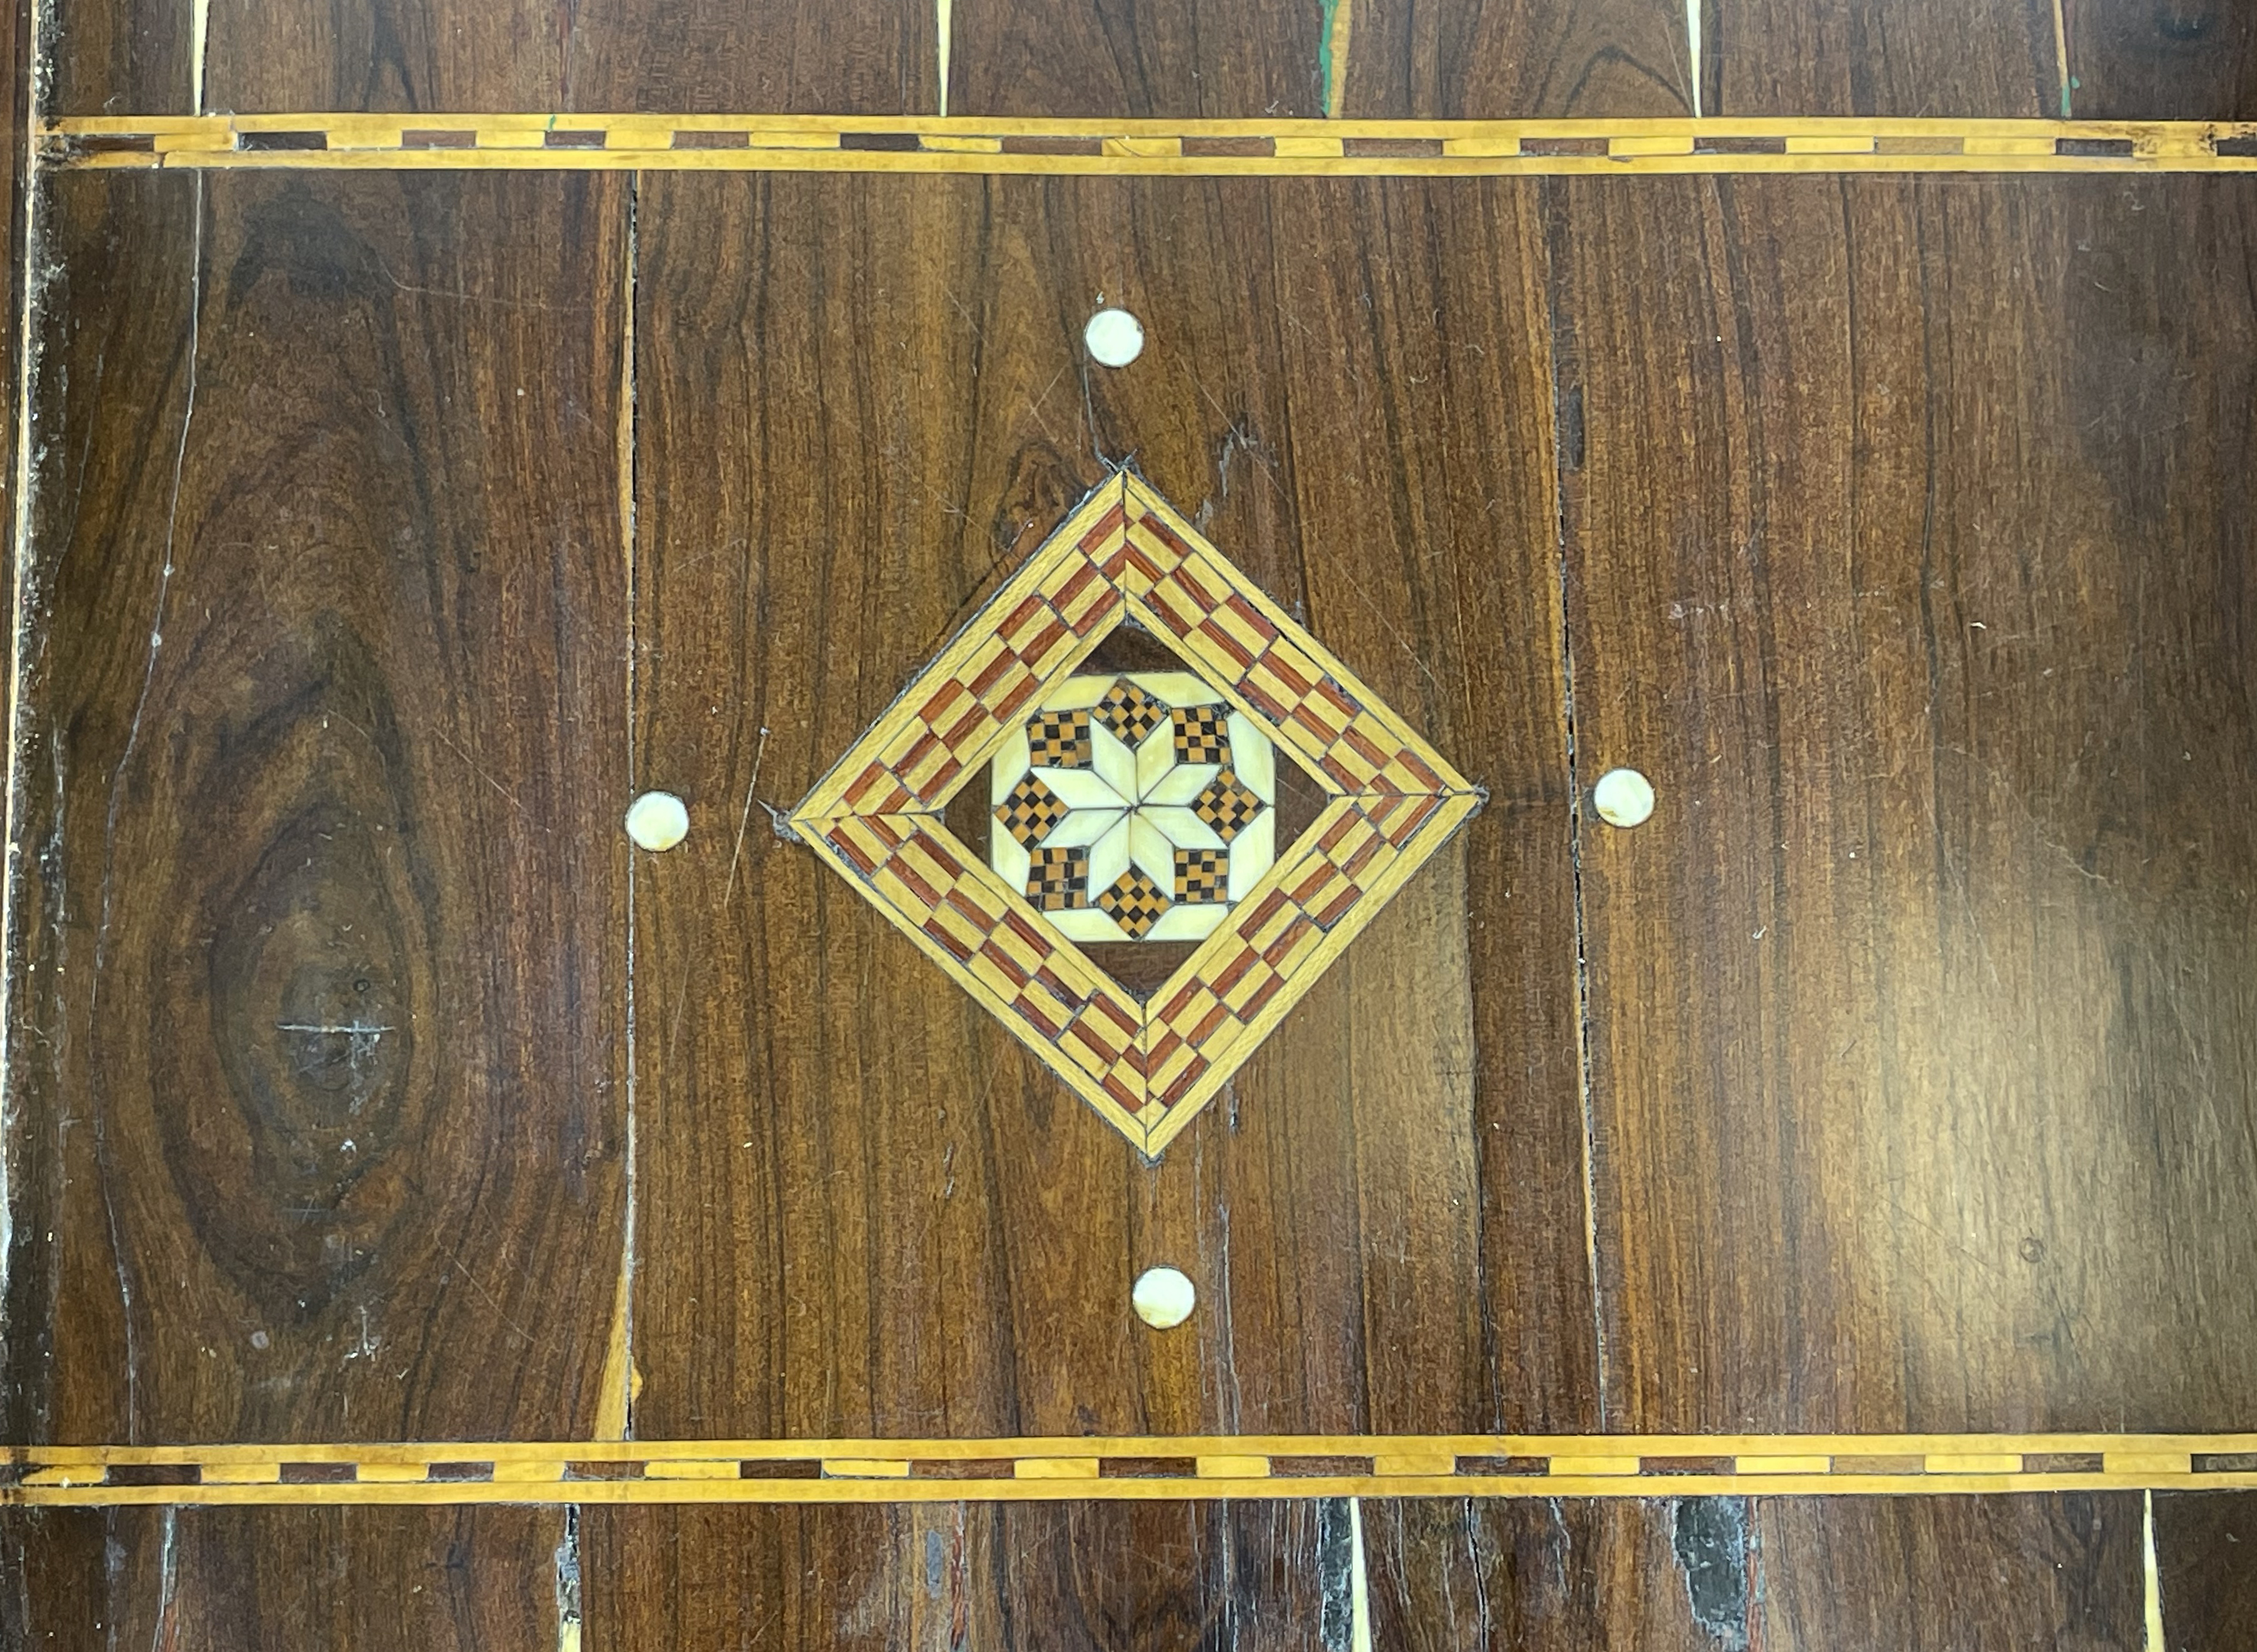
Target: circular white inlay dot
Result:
[[1623, 797], [1114, 338], [1163, 1298], [658, 820]]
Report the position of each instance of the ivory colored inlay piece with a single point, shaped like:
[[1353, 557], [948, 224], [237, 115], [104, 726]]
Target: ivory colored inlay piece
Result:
[[1623, 797], [1163, 1298], [658, 820], [1114, 338]]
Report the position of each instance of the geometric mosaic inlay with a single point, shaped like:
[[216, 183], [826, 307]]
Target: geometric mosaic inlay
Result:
[[1172, 772], [1134, 806]]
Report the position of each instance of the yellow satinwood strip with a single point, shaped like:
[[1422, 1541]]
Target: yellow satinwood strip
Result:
[[1975, 1463]]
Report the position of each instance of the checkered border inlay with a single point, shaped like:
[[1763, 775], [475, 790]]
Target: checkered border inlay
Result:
[[1147, 1067]]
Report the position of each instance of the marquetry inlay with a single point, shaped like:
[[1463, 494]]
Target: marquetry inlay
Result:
[[1135, 806]]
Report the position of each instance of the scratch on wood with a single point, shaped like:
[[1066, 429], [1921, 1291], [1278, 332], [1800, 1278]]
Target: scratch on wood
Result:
[[168, 1579], [759, 756]]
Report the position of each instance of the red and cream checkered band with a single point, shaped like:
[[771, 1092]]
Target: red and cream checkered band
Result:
[[1148, 1066]]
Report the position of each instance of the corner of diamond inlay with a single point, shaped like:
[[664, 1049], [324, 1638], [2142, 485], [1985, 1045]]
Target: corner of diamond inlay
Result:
[[1134, 806]]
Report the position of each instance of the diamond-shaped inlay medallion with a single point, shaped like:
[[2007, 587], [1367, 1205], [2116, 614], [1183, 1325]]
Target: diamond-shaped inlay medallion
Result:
[[1135, 806]]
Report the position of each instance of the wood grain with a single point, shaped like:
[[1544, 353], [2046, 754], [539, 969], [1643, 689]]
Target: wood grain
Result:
[[1936, 58], [953, 1575], [15, 53], [1563, 1575], [117, 57], [415, 1579], [2205, 1542], [2190, 59], [834, 1129], [1786, 1573], [81, 1578], [1922, 1573], [1164, 58], [386, 55], [688, 56], [816, 57], [326, 733], [1905, 535], [1486, 60]]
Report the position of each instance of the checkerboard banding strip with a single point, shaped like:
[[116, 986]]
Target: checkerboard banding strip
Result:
[[1128, 712], [1225, 807], [1030, 811], [915, 768], [1202, 734], [1313, 710], [1279, 935], [1134, 902], [1202, 877], [1058, 880], [1059, 740], [1065, 1000]]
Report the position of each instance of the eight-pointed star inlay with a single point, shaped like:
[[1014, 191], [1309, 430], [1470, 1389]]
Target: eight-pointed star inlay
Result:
[[1011, 687], [1134, 807]]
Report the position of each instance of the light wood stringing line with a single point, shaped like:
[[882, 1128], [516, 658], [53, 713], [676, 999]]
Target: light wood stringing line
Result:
[[1139, 147]]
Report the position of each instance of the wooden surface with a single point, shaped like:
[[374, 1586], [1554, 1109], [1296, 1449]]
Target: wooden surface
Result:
[[1790, 1573], [346, 446], [2017, 1571], [1995, 58], [2197, 59], [2205, 1578], [112, 56], [1894, 1076], [863, 57], [1100, 57], [1339, 1303], [1488, 60], [405, 1579], [1883, 568], [1250, 1575]]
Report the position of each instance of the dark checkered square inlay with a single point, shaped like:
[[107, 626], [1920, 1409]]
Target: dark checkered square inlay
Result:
[[1058, 880], [1058, 740], [1202, 877], [1130, 712], [1029, 812], [1134, 902], [1226, 807], [1202, 734]]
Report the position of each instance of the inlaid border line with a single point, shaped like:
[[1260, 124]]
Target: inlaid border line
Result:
[[1139, 1468], [1179, 148]]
